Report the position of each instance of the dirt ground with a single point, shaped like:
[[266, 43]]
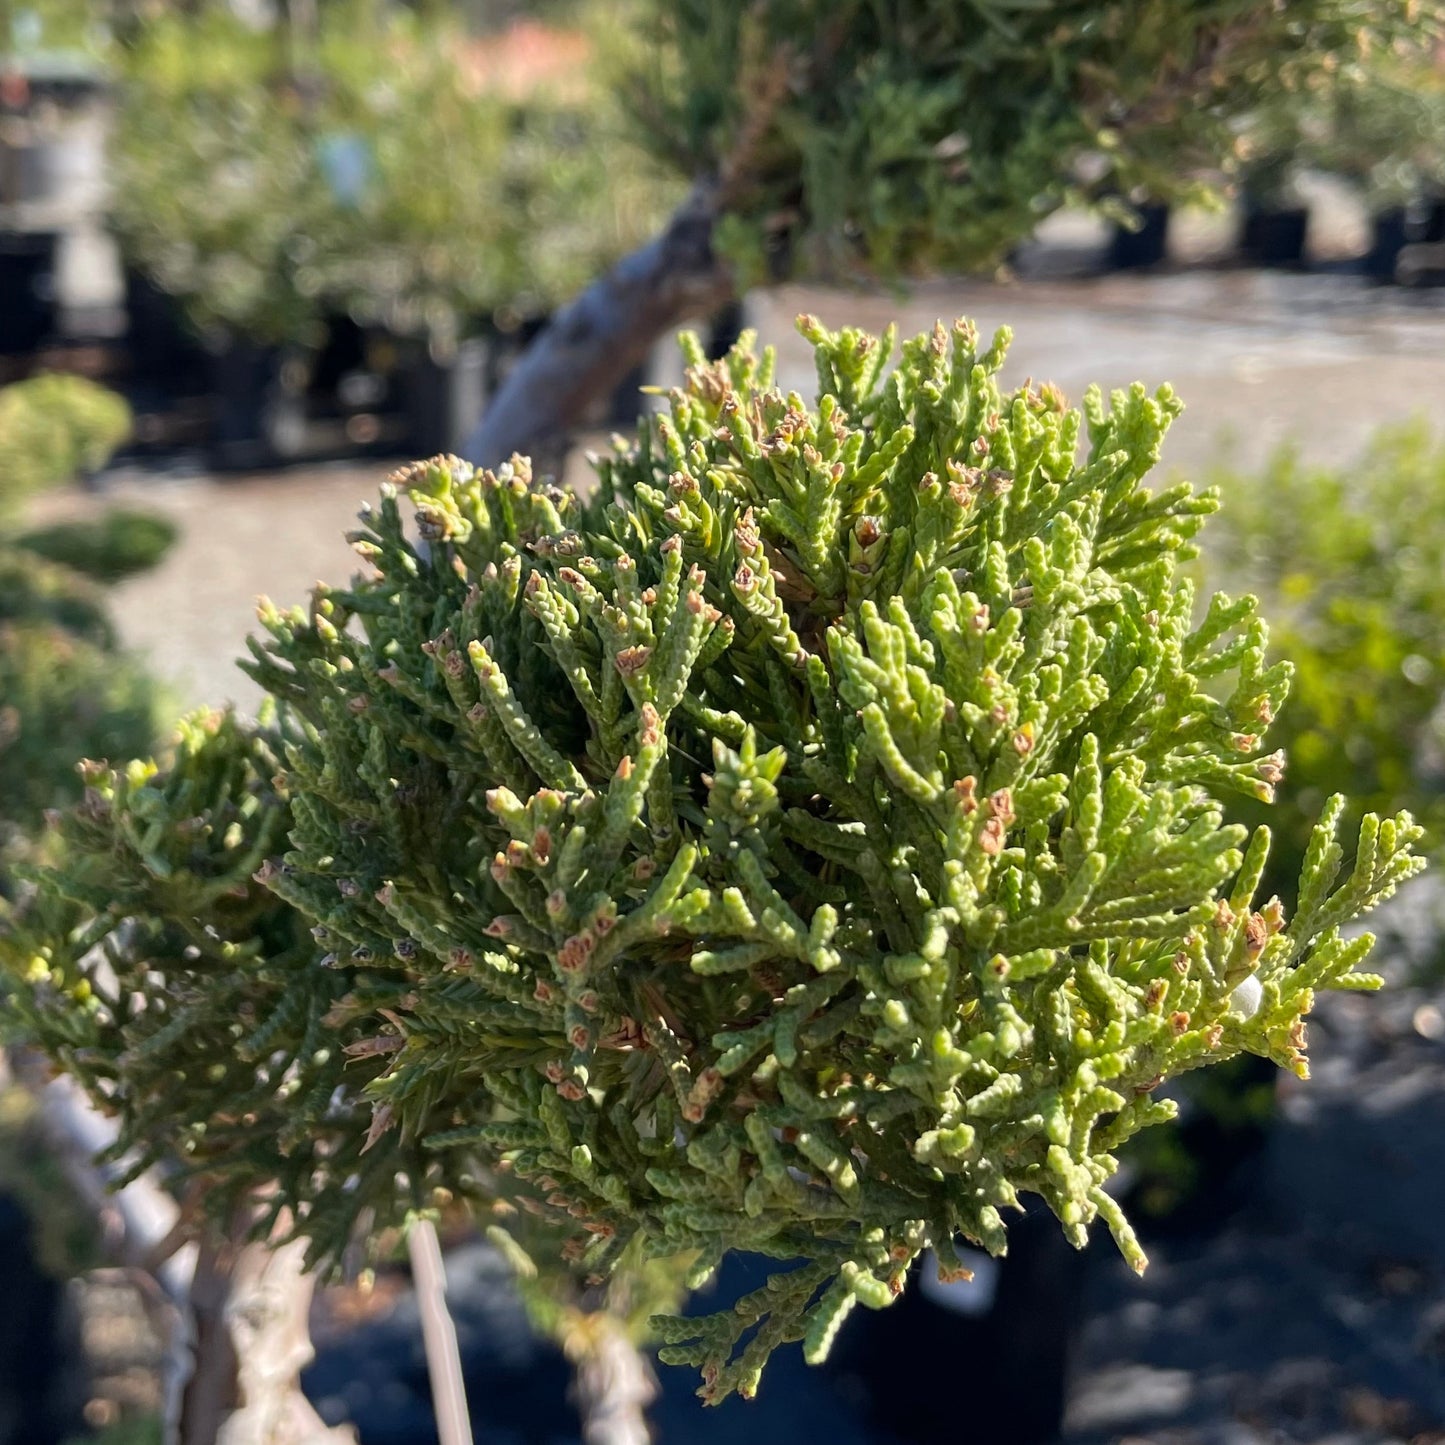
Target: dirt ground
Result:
[[1259, 359]]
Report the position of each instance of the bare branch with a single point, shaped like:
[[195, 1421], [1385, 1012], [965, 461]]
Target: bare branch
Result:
[[439, 1334], [598, 338]]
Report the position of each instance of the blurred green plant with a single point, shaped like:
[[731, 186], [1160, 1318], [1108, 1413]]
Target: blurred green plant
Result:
[[933, 135], [33, 590], [119, 543], [144, 1431], [61, 699], [65, 692], [1387, 135], [66, 1232], [268, 181], [45, 27], [53, 429], [1350, 561], [1378, 123]]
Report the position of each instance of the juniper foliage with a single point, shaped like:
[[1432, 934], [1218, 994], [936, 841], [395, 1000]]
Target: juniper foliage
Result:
[[928, 134], [186, 999], [807, 844], [812, 841]]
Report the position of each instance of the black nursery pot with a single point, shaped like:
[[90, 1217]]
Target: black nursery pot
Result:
[[41, 1393], [1010, 1361], [27, 290], [1148, 246], [163, 352], [244, 387], [1274, 236], [444, 399], [1389, 235], [1404, 245]]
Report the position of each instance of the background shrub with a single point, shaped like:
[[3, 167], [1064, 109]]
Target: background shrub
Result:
[[33, 590], [65, 692], [62, 699], [1349, 560], [269, 180], [54, 429], [119, 543]]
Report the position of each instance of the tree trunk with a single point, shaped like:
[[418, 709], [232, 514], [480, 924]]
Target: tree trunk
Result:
[[233, 1324], [439, 1335], [614, 1381], [597, 339], [211, 1392], [267, 1318]]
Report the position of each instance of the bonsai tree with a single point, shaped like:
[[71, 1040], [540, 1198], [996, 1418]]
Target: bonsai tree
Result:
[[856, 140], [809, 844]]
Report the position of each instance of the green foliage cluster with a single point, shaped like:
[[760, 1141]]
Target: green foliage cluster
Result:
[[934, 134], [144, 1431], [119, 543], [55, 428], [186, 998], [64, 690], [1350, 561], [33, 590], [819, 823], [65, 1233], [47, 28], [62, 698], [1378, 124], [808, 844], [267, 183]]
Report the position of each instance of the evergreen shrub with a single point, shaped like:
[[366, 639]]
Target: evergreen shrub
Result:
[[1355, 585], [53, 429], [118, 543], [809, 843]]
